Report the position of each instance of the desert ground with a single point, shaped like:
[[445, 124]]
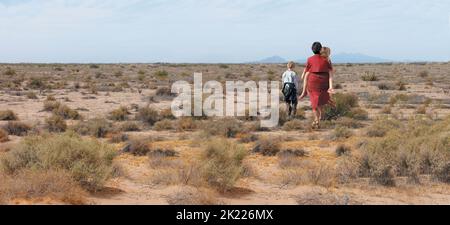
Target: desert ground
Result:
[[104, 134]]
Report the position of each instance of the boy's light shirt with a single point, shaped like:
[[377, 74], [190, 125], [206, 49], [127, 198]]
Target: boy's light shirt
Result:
[[290, 77]]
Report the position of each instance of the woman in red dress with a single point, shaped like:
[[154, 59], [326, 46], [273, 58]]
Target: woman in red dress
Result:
[[318, 81]]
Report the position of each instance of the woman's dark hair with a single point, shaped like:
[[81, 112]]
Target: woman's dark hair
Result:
[[316, 47]]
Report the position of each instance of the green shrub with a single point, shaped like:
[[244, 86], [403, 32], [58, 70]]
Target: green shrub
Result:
[[8, 115], [223, 163], [161, 74], [88, 161]]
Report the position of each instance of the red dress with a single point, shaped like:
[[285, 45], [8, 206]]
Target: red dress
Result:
[[318, 80]]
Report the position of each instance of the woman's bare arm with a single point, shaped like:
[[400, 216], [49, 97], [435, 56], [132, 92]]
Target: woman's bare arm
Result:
[[331, 88], [303, 74], [305, 85]]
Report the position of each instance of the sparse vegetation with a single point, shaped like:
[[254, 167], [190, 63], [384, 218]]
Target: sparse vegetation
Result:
[[267, 146], [17, 128], [88, 161], [148, 115], [8, 115], [56, 123], [223, 163], [119, 114]]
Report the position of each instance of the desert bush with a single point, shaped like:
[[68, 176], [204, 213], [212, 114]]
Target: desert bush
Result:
[[9, 72], [161, 74], [66, 112], [167, 114], [32, 184], [386, 110], [369, 77], [424, 74], [36, 83], [185, 124], [385, 86], [31, 95], [50, 105], [137, 146], [88, 161], [119, 114], [347, 168], [118, 138], [359, 114], [164, 91], [164, 125], [148, 115], [225, 127], [348, 122], [413, 149], [421, 110], [290, 157], [223, 163], [8, 115], [247, 138], [381, 126], [344, 104], [94, 66], [129, 126], [341, 132], [267, 146], [342, 150], [97, 127], [17, 128], [56, 123], [293, 125], [3, 136]]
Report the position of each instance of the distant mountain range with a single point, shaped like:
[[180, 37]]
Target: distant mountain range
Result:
[[338, 58]]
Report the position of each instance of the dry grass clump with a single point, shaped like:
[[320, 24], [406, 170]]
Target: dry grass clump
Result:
[[345, 107], [342, 150], [118, 138], [37, 185], [420, 147], [291, 157], [193, 196], [119, 114], [293, 125], [164, 124], [56, 123], [369, 77], [164, 91], [97, 127], [324, 197], [129, 126], [267, 146], [348, 122], [223, 163], [17, 128], [3, 136], [148, 115], [137, 146], [167, 114], [66, 112], [88, 161], [8, 115], [248, 138], [50, 105], [185, 124], [225, 127], [381, 126], [341, 132], [306, 172]]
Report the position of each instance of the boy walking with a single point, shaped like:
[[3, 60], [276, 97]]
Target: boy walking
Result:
[[290, 81]]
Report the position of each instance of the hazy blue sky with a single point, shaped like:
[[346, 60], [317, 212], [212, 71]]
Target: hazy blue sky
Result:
[[219, 30]]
